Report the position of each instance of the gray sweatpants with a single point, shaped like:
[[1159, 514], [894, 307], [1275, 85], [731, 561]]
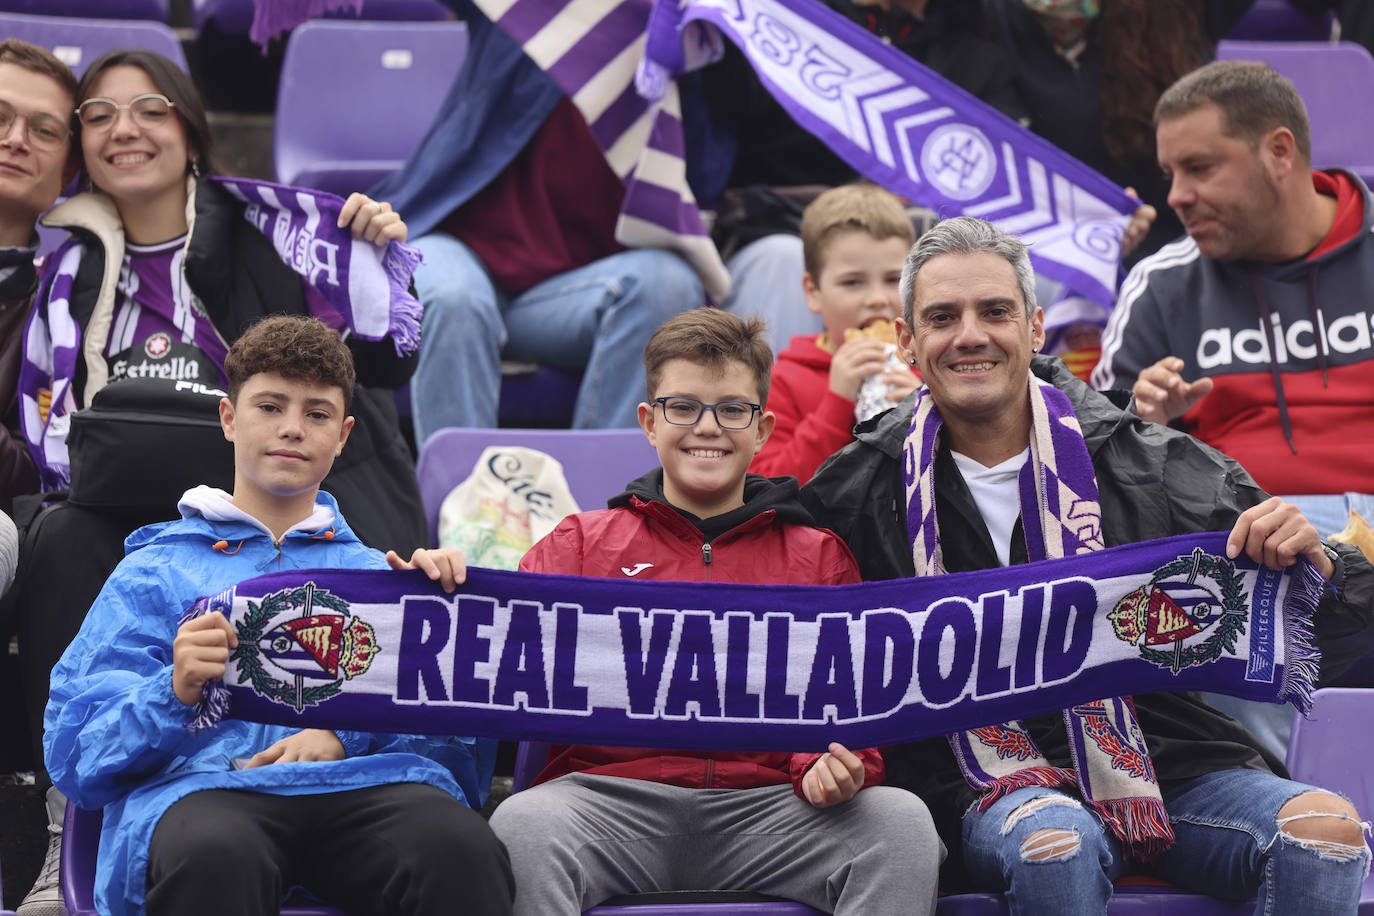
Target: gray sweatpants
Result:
[[580, 839]]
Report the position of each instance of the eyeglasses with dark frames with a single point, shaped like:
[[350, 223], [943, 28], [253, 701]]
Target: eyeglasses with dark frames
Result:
[[148, 111], [684, 411], [41, 131]]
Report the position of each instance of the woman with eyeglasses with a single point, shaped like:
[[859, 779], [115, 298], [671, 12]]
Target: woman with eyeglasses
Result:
[[170, 273]]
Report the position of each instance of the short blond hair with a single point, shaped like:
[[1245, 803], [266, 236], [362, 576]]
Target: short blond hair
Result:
[[860, 207]]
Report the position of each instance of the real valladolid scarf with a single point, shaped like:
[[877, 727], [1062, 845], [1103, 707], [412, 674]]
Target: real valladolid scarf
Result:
[[357, 285], [1061, 517], [749, 667]]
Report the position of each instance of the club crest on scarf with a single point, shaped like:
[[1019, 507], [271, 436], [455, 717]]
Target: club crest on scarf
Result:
[[1198, 595], [320, 642]]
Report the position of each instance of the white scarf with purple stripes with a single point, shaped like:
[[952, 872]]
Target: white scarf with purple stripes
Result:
[[1061, 517]]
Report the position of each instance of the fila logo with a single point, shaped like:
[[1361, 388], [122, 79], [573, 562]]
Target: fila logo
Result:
[[636, 569]]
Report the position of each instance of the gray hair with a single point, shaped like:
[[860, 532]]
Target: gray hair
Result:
[[966, 235]]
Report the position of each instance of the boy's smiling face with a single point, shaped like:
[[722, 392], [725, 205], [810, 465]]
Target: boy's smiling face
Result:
[[704, 465], [858, 282], [286, 435]]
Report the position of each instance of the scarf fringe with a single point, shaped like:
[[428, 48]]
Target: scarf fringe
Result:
[[271, 19], [1142, 824], [399, 261], [214, 696], [1045, 777], [1302, 658]]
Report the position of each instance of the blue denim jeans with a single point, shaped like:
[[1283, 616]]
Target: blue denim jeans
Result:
[[1227, 844], [766, 282], [596, 319]]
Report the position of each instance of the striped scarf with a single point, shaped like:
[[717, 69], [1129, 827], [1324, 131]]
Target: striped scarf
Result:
[[351, 284], [1061, 517]]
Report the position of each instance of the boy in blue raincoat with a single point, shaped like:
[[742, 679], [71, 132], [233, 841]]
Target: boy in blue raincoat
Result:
[[227, 819]]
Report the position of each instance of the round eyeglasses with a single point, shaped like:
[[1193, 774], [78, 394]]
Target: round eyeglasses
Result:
[[41, 131], [682, 411], [148, 111]]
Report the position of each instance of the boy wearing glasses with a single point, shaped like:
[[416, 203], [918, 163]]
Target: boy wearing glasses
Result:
[[604, 821]]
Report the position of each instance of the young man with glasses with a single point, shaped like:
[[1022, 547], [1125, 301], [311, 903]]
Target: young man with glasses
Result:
[[36, 159], [604, 821]]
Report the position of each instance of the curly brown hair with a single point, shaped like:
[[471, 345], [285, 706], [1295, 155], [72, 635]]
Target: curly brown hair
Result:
[[294, 347], [1145, 45]]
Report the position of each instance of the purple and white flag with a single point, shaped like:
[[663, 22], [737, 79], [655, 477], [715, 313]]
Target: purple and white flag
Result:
[[895, 121], [592, 50], [706, 665], [915, 133]]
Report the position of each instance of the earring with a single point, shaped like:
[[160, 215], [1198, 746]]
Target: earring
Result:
[[195, 168], [911, 359], [1035, 349]]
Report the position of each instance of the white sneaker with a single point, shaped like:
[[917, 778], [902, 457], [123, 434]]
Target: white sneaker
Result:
[[45, 899]]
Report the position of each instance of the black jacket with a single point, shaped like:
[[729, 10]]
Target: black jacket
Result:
[[1153, 481], [239, 277]]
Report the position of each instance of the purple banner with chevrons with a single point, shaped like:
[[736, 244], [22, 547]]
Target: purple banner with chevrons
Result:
[[895, 121], [674, 664], [910, 130]]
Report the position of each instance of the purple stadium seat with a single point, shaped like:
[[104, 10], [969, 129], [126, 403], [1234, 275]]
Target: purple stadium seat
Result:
[[1278, 20], [236, 16], [1126, 901], [1336, 81], [356, 98], [77, 42], [155, 10], [1333, 748], [80, 842], [596, 462]]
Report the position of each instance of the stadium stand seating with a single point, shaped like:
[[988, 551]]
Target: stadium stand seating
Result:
[[356, 98], [1336, 81], [1279, 20], [236, 16], [156, 10], [1332, 748], [80, 841], [596, 462], [78, 42]]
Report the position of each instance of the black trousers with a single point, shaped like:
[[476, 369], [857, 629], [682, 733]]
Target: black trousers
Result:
[[403, 850]]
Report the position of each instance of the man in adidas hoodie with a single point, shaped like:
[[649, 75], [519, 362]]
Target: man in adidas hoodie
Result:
[[1254, 331]]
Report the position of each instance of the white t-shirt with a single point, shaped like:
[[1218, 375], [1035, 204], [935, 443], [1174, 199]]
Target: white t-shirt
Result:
[[997, 496]]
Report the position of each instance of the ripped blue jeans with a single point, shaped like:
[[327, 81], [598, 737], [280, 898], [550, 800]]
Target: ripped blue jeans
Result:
[[1050, 854]]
